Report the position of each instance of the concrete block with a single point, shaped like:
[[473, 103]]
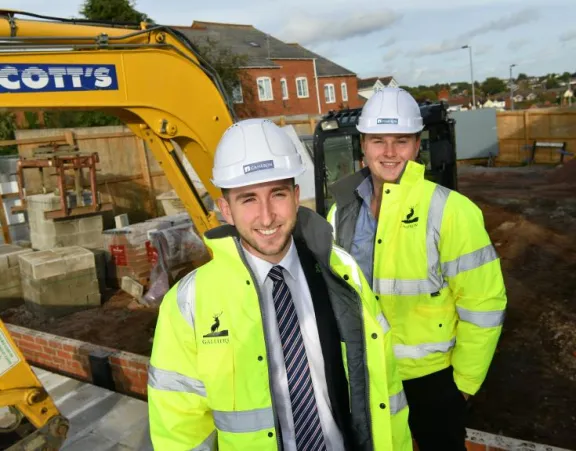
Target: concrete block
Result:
[[91, 224], [76, 258], [121, 221], [9, 255], [41, 265], [66, 227], [132, 287]]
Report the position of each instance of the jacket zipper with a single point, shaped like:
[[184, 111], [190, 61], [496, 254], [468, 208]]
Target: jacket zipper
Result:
[[366, 376], [263, 315]]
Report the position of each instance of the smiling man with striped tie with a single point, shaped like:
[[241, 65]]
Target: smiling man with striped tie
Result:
[[278, 343]]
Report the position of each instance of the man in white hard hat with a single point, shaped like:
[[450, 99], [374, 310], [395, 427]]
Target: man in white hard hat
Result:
[[425, 252], [277, 343]]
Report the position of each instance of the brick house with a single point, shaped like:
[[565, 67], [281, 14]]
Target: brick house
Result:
[[279, 78]]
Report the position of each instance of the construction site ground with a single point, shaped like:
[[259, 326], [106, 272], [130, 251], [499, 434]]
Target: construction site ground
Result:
[[530, 391]]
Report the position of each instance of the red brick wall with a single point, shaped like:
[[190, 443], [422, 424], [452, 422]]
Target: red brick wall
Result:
[[351, 83], [290, 70], [70, 357]]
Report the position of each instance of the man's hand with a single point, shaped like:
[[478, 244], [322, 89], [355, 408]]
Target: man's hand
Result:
[[466, 395]]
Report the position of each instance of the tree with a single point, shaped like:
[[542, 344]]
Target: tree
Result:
[[552, 83], [493, 85], [522, 76], [7, 127], [227, 64], [113, 10]]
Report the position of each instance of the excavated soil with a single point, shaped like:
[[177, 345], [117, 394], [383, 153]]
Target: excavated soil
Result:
[[530, 391]]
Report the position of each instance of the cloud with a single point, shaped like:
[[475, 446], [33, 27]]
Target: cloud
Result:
[[388, 42], [391, 54], [517, 44], [568, 36], [514, 20], [517, 19], [311, 30]]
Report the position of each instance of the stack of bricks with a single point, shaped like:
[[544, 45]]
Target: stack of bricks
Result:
[[49, 233], [59, 281], [129, 249], [10, 283]]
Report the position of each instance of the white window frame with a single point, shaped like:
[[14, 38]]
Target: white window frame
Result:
[[237, 94], [299, 93], [329, 89], [344, 89], [267, 95], [284, 88]]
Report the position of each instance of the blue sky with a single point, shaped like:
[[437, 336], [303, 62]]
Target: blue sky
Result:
[[417, 41]]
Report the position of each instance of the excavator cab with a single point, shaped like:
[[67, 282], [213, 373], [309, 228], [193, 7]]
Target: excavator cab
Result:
[[338, 153]]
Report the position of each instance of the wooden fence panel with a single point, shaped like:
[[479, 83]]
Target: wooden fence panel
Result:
[[517, 131]]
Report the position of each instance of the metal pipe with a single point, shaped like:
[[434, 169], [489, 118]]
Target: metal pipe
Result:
[[317, 89]]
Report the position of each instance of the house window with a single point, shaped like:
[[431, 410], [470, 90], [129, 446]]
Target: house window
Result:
[[284, 86], [344, 88], [302, 87], [237, 96], [264, 89], [329, 93]]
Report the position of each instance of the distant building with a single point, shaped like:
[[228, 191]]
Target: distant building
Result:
[[368, 86]]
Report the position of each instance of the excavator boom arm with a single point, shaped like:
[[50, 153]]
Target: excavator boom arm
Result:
[[153, 79]]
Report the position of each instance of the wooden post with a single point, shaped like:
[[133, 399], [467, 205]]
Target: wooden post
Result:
[[4, 223], [145, 167], [312, 125]]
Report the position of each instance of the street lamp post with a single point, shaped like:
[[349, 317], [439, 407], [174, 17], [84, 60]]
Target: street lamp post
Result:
[[511, 88], [471, 75]]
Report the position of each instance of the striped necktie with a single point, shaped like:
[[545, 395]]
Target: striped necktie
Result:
[[308, 430]]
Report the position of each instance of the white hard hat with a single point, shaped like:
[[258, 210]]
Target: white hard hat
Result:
[[390, 110], [255, 151]]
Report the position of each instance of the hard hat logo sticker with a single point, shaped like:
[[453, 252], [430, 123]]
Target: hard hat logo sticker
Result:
[[387, 120], [258, 166]]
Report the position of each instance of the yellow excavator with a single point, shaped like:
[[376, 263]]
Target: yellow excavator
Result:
[[153, 79]]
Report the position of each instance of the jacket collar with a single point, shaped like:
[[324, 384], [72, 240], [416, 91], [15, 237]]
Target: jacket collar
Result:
[[311, 229], [344, 191]]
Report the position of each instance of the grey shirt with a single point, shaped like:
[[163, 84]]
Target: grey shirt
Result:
[[363, 243], [296, 281]]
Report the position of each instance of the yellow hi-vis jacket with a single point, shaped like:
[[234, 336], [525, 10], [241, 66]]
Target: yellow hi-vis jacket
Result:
[[435, 272], [211, 390]]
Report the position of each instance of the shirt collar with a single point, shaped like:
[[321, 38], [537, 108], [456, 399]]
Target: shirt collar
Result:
[[365, 190], [261, 267]]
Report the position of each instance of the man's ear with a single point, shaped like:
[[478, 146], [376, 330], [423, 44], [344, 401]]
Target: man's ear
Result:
[[224, 208], [297, 194]]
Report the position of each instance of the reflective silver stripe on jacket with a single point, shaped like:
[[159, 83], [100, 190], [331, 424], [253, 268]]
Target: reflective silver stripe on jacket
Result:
[[207, 445], [483, 318], [406, 287], [172, 381], [398, 402], [422, 350], [469, 261], [383, 322], [244, 421], [186, 297], [435, 281]]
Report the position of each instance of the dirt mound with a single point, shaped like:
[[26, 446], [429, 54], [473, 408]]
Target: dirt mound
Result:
[[564, 174]]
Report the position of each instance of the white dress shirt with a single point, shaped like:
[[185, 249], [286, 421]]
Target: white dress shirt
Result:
[[298, 285]]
